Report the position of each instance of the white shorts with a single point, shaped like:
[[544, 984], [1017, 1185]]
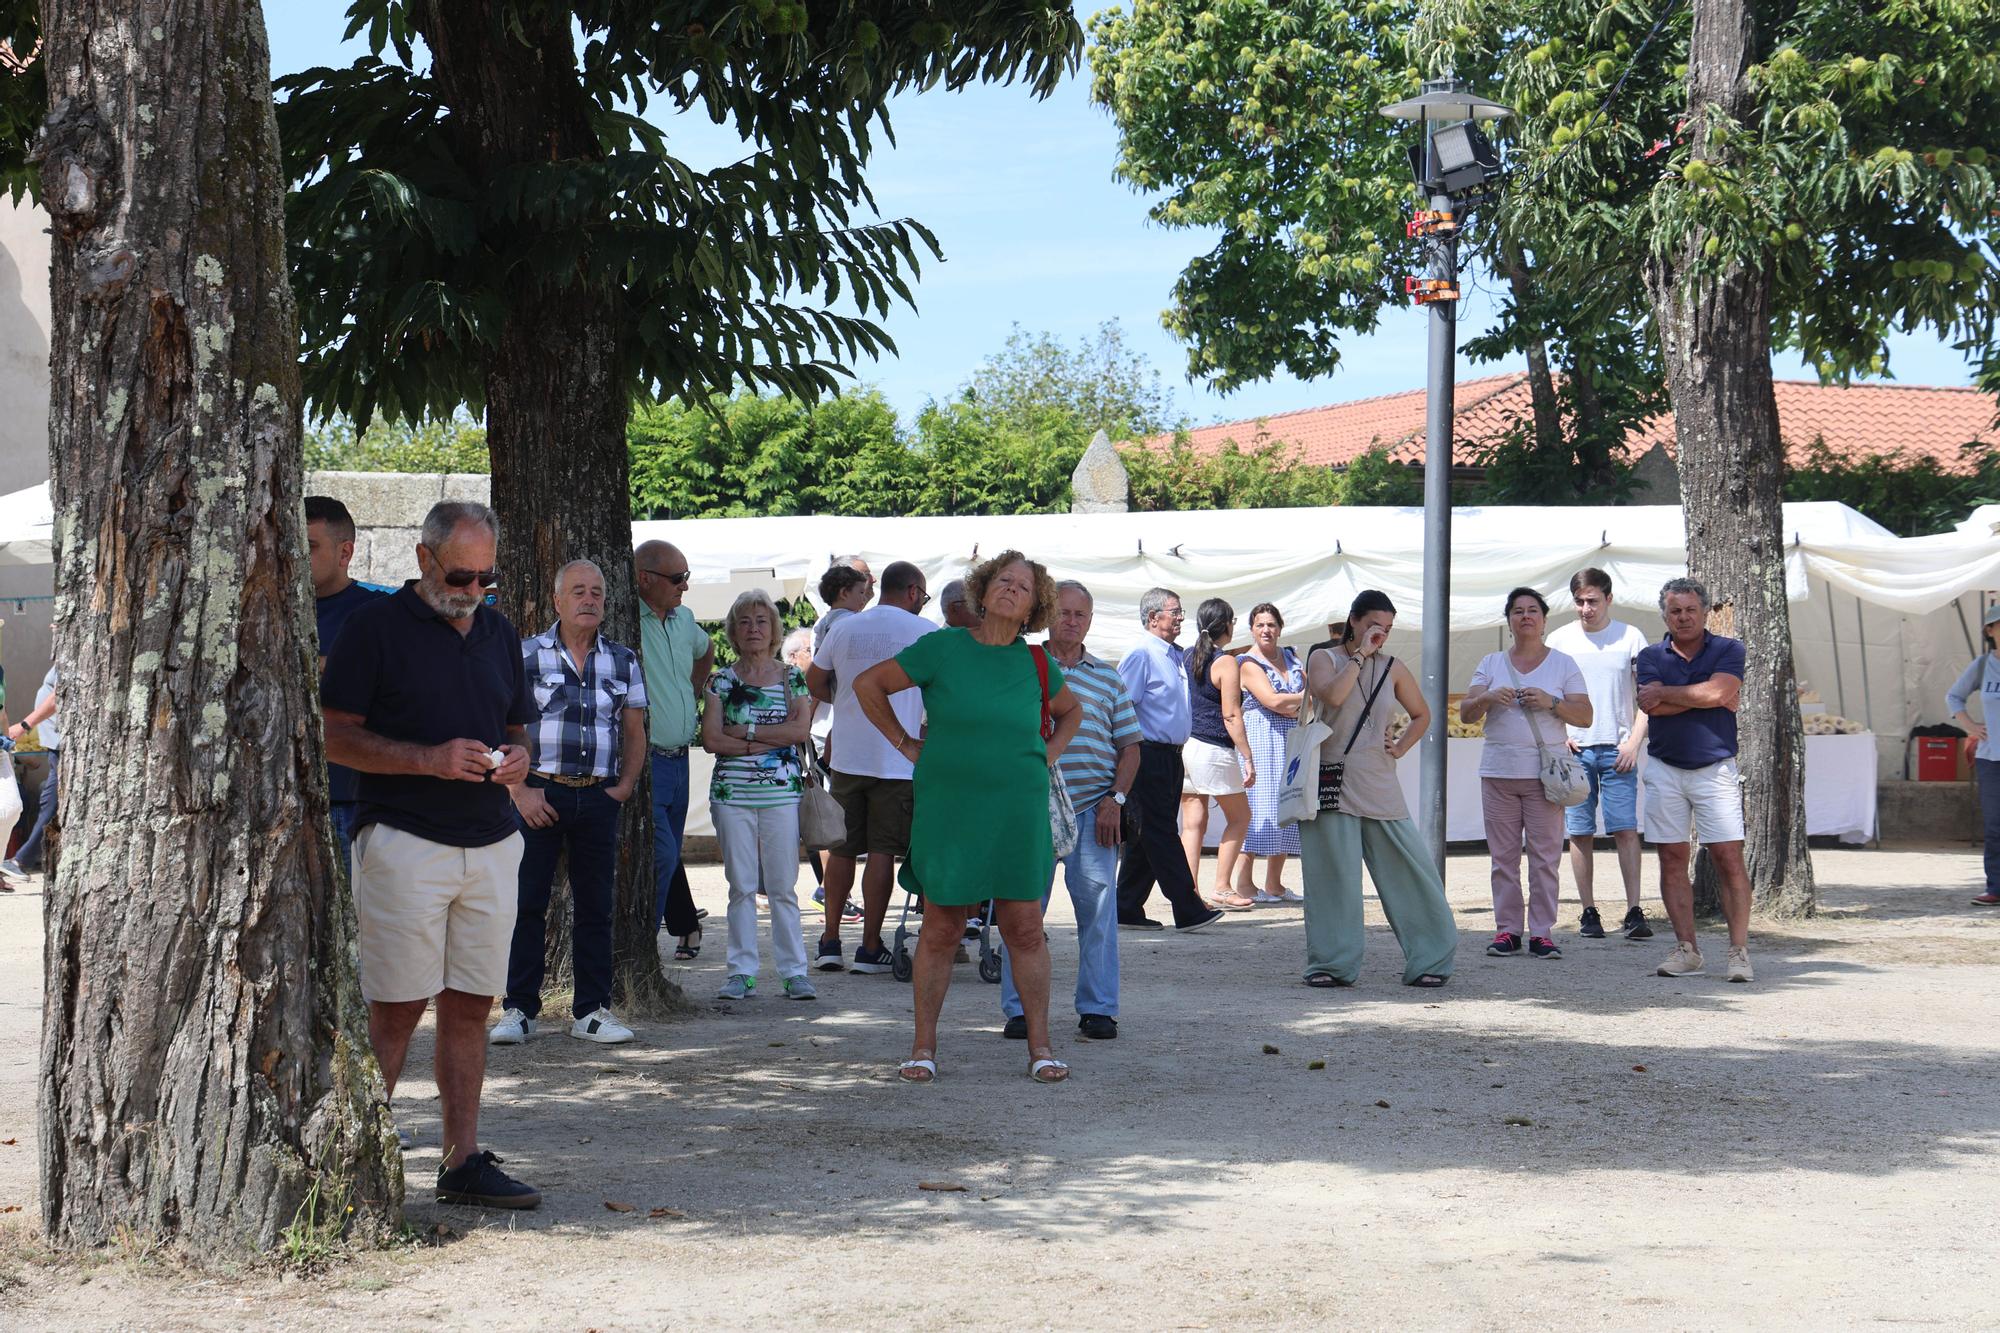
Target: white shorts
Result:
[[433, 917], [1209, 770], [1708, 801]]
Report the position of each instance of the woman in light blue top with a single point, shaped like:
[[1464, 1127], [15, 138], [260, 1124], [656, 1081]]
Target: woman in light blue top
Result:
[[1983, 679]]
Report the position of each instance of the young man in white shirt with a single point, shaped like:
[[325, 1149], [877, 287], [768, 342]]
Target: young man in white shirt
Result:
[[1609, 748]]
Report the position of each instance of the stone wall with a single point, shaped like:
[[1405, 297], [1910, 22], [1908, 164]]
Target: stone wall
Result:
[[389, 509]]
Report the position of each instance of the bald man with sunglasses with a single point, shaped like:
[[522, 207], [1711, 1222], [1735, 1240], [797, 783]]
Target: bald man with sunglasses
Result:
[[677, 658]]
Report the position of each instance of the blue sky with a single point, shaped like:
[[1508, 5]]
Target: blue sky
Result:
[[1037, 233]]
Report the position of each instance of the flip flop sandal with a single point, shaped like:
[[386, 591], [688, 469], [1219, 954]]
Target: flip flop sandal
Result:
[[1428, 981], [1228, 907], [917, 1071], [1048, 1071], [1327, 981]]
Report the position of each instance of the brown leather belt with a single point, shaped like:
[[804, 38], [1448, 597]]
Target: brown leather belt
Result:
[[565, 780]]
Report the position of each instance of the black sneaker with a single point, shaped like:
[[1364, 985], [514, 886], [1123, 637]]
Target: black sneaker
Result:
[[1208, 918], [1592, 926], [1504, 946], [1634, 925], [478, 1182], [1140, 923], [1098, 1027], [1016, 1029], [871, 960], [829, 956], [1541, 946]]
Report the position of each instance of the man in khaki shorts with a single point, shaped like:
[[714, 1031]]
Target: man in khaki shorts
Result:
[[425, 696]]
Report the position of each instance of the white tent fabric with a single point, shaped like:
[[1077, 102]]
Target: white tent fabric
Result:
[[26, 524]]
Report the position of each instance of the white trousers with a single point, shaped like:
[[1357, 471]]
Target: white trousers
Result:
[[760, 850]]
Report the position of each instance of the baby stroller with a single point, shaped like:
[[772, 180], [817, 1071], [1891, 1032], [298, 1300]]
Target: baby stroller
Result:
[[902, 965]]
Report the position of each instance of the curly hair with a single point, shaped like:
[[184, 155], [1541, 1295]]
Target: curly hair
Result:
[[1044, 609], [837, 580]]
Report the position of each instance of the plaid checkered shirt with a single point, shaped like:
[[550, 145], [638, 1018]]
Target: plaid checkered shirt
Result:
[[580, 730]]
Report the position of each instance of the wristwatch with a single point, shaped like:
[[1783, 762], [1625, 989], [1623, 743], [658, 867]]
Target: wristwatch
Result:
[[1118, 798], [750, 732]]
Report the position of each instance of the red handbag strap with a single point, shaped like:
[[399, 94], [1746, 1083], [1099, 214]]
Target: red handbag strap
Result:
[[1041, 656]]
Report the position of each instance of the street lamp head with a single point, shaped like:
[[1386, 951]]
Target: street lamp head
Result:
[[1446, 104], [1462, 159]]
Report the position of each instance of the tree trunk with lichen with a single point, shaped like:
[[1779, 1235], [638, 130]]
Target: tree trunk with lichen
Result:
[[205, 1076], [1715, 334], [557, 396]]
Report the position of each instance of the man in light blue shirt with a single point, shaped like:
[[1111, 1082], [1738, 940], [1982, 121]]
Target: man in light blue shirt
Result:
[[1157, 683]]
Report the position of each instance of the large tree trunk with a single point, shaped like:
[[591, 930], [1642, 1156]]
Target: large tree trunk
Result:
[[205, 1078], [1542, 398], [1715, 334], [557, 397]]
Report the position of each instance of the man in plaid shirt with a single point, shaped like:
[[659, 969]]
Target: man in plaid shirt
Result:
[[585, 750]]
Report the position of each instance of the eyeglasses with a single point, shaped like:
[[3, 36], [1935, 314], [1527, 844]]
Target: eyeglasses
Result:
[[464, 578], [678, 580], [924, 603]]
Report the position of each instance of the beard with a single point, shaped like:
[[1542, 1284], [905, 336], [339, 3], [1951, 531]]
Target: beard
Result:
[[447, 601]]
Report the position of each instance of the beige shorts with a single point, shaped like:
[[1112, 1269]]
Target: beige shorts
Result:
[[1210, 770], [1708, 801], [433, 917]]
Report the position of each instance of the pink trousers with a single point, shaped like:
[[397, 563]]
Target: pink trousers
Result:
[[1517, 814]]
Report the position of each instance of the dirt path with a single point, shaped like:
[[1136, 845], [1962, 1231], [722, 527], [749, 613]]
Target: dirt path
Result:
[[1815, 1149]]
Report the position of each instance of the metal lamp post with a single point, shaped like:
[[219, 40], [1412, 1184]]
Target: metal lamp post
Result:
[[1452, 162]]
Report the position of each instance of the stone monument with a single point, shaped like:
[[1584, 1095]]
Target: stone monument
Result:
[[1099, 484]]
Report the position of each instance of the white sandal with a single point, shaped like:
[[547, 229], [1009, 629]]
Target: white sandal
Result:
[[1036, 1070], [917, 1071]]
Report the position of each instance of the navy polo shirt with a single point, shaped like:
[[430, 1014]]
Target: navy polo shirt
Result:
[[333, 613], [413, 677], [1700, 736]]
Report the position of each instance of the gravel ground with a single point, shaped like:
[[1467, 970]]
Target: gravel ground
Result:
[[1573, 1142]]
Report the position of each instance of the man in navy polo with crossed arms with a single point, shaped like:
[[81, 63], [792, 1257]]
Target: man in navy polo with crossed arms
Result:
[[1689, 684]]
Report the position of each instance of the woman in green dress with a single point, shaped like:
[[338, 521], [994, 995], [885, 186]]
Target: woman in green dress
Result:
[[981, 828]]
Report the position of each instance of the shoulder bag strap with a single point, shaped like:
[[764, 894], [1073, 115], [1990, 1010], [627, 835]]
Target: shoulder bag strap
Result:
[[1041, 656], [1387, 666], [1525, 711]]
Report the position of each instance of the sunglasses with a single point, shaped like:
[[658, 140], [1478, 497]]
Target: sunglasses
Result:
[[464, 578], [678, 580]]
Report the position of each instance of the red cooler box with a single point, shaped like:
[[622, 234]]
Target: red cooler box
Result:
[[1937, 759]]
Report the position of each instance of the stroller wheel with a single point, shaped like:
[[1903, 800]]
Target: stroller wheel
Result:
[[901, 965], [989, 967]]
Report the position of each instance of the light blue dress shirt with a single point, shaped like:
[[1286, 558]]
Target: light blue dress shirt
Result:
[[1153, 677]]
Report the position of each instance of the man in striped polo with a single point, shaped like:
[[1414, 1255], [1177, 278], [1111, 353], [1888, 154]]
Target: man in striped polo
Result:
[[1098, 768]]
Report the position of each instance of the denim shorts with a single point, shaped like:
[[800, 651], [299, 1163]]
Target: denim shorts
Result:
[[1617, 793]]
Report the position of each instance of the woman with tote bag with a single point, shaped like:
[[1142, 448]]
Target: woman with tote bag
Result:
[[1525, 693]]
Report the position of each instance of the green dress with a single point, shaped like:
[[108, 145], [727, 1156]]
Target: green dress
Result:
[[981, 828]]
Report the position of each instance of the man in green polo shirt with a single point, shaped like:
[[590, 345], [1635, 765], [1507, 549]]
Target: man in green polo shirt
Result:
[[676, 656]]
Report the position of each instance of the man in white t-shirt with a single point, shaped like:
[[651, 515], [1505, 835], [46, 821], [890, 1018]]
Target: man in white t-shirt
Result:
[[866, 775], [1609, 748]]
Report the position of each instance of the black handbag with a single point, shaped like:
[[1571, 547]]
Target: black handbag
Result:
[[1332, 776]]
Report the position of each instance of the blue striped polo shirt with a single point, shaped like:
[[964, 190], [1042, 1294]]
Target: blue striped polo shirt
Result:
[[1090, 762]]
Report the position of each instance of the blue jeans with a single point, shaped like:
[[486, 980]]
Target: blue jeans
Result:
[[670, 817], [30, 855], [587, 828], [343, 834], [1091, 872], [1988, 771], [1617, 792]]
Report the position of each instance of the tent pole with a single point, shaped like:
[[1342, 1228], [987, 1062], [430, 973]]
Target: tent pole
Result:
[[1437, 534], [1833, 631], [1965, 627], [1861, 634]]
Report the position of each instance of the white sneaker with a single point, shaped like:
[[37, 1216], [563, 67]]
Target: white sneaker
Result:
[[1739, 965], [1684, 961], [513, 1028], [599, 1026]]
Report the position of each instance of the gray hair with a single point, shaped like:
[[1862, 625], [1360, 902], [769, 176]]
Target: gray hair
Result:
[[448, 516], [802, 637], [563, 573], [1689, 587], [747, 602], [1071, 585], [1153, 601], [953, 592]]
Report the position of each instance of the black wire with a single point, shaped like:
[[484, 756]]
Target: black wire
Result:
[[1616, 88]]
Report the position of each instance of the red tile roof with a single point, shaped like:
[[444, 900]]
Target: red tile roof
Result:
[[1859, 420]]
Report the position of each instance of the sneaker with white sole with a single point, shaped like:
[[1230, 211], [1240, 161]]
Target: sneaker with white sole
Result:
[[800, 987], [513, 1028], [1739, 965], [1684, 961], [737, 987], [599, 1026]]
